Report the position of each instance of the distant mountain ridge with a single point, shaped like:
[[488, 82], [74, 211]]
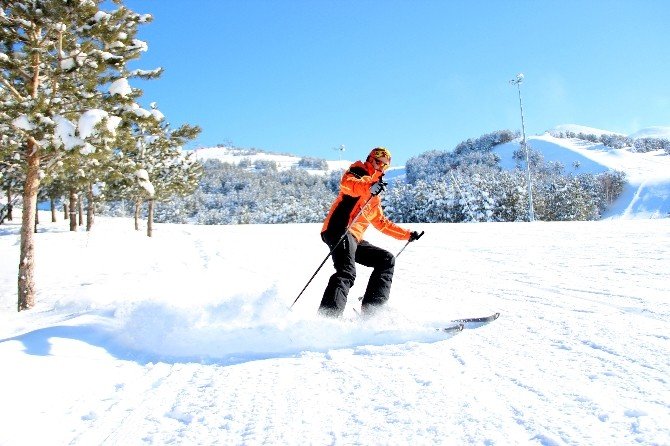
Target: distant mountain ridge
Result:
[[652, 132], [575, 128], [660, 132], [283, 161]]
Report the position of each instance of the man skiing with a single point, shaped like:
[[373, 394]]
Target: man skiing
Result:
[[355, 208]]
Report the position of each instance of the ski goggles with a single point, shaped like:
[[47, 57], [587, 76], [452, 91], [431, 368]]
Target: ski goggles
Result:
[[381, 164]]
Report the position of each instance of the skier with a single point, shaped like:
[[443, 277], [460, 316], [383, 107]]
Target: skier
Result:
[[357, 205]]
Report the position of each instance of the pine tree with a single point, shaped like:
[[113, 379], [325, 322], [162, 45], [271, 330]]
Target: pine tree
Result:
[[55, 57], [169, 171], [152, 165]]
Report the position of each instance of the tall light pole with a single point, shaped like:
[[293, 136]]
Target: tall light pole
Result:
[[517, 81]]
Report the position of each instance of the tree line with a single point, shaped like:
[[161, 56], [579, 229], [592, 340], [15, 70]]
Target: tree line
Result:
[[638, 145], [248, 193], [460, 185]]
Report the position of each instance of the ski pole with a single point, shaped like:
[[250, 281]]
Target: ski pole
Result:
[[332, 250], [408, 242]]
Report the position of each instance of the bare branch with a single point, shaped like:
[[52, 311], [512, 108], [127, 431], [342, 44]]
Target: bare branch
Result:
[[11, 89]]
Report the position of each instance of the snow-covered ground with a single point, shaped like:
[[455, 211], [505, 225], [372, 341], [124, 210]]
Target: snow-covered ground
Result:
[[186, 338]]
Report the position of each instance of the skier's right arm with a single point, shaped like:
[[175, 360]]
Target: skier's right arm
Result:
[[354, 185]]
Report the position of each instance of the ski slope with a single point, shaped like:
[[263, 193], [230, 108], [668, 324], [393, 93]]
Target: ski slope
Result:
[[647, 192], [186, 338]]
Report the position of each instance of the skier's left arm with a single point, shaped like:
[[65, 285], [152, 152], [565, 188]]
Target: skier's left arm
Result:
[[386, 226]]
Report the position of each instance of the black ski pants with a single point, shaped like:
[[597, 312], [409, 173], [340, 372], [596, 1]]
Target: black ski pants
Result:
[[345, 256]]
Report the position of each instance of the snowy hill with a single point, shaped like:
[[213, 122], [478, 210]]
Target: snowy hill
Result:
[[283, 161], [647, 194], [186, 338]]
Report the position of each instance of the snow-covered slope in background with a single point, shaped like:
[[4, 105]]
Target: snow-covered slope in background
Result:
[[283, 161], [236, 156], [647, 193], [660, 132]]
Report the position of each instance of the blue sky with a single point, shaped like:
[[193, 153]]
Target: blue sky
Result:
[[305, 77]]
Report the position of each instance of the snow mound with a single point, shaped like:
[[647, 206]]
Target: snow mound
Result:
[[248, 328]]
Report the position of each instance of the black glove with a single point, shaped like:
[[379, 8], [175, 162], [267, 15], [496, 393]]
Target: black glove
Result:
[[414, 235], [377, 188]]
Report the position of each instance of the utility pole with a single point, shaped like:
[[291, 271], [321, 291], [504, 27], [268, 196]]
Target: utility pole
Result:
[[517, 81]]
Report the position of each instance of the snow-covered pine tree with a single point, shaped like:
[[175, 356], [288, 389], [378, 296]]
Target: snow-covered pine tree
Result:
[[171, 172], [55, 57], [152, 166], [11, 182], [611, 185], [11, 179], [511, 196]]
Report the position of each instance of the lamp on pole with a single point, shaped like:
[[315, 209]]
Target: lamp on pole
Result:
[[517, 81], [340, 150]]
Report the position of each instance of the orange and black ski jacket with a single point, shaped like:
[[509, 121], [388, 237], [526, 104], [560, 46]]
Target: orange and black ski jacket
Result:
[[354, 193]]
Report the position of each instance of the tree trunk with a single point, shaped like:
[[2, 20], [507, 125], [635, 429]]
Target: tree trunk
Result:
[[90, 208], [80, 208], [150, 219], [26, 280], [138, 204], [73, 211], [9, 204], [66, 214], [53, 209]]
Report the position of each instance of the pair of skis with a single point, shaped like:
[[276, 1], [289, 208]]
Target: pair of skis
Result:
[[470, 322]]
